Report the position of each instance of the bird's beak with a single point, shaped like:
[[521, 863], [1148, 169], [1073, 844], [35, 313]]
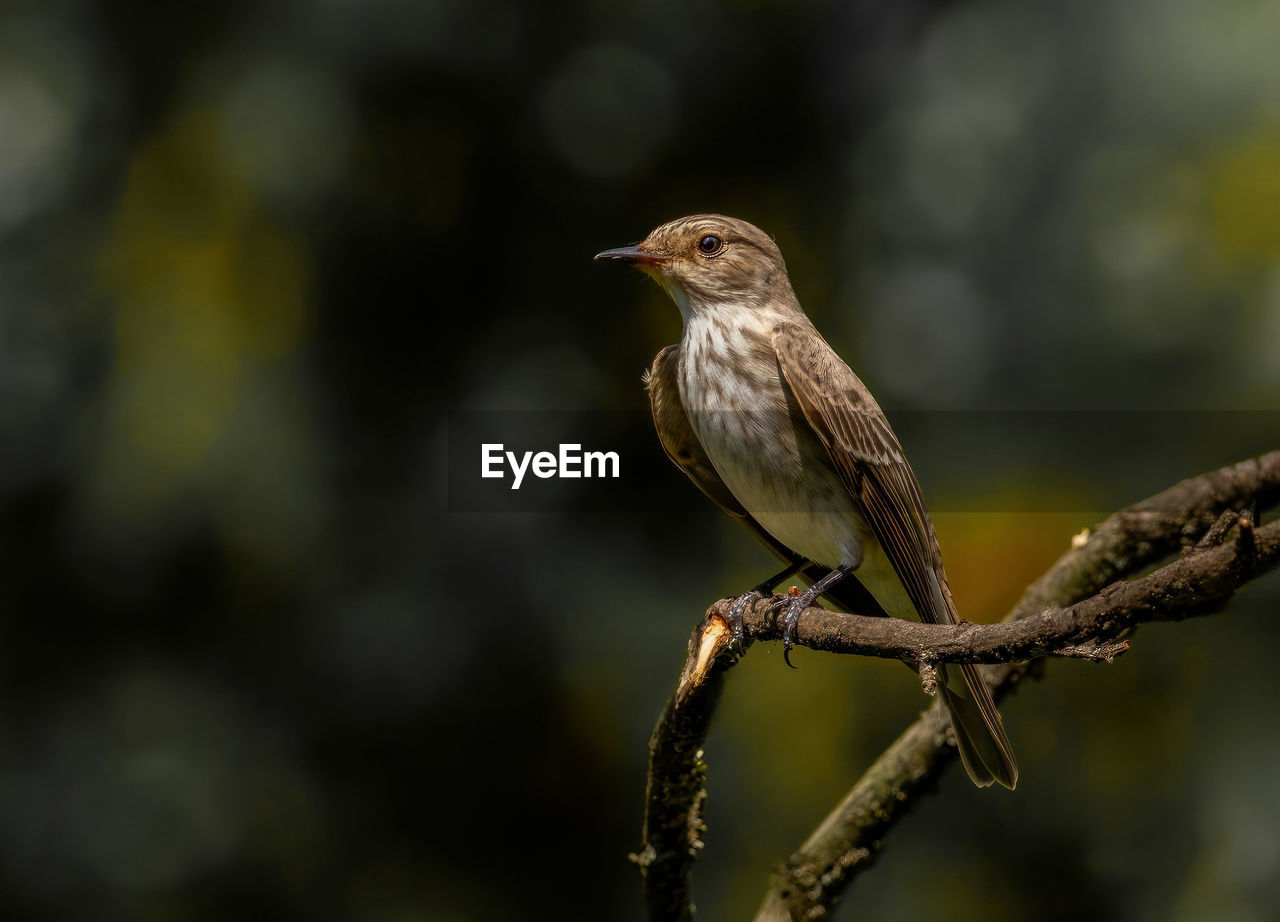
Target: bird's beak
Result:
[[633, 255]]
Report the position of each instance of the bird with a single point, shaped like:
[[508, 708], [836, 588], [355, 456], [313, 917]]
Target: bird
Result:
[[759, 411]]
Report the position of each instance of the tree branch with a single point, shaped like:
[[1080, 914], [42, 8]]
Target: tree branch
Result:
[[1081, 621], [850, 838], [1195, 584]]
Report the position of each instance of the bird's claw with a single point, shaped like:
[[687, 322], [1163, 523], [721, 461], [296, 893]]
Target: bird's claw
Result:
[[789, 623], [802, 600], [735, 614]]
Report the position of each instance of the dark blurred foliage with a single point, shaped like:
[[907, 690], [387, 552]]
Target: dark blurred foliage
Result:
[[252, 256]]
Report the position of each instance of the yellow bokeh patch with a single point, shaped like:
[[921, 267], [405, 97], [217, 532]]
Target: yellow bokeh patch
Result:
[[209, 293], [1245, 202]]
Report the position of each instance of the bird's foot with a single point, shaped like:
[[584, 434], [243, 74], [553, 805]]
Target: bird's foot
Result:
[[802, 600], [749, 598], [736, 610], [791, 620]]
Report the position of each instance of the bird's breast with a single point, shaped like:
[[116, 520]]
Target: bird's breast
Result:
[[734, 396], [760, 444]]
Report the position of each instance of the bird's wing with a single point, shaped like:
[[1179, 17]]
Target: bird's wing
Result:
[[684, 449], [869, 460]]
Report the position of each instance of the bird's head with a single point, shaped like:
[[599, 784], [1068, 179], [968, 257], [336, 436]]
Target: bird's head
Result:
[[710, 261]]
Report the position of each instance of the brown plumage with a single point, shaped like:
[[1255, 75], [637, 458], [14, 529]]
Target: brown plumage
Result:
[[759, 411], [685, 451]]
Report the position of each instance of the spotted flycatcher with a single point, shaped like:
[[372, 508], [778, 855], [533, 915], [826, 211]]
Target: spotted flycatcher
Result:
[[756, 408]]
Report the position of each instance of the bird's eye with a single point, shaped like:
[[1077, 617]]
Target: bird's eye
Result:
[[710, 245]]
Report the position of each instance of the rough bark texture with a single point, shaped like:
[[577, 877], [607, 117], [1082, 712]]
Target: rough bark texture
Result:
[[1076, 609], [1195, 584]]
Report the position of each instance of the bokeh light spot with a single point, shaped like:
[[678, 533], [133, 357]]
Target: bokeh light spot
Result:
[[608, 110], [286, 127], [41, 104]]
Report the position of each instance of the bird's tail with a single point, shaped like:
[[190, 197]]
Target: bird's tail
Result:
[[980, 737]]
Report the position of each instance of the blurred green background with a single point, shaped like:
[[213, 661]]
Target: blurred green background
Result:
[[253, 255]]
